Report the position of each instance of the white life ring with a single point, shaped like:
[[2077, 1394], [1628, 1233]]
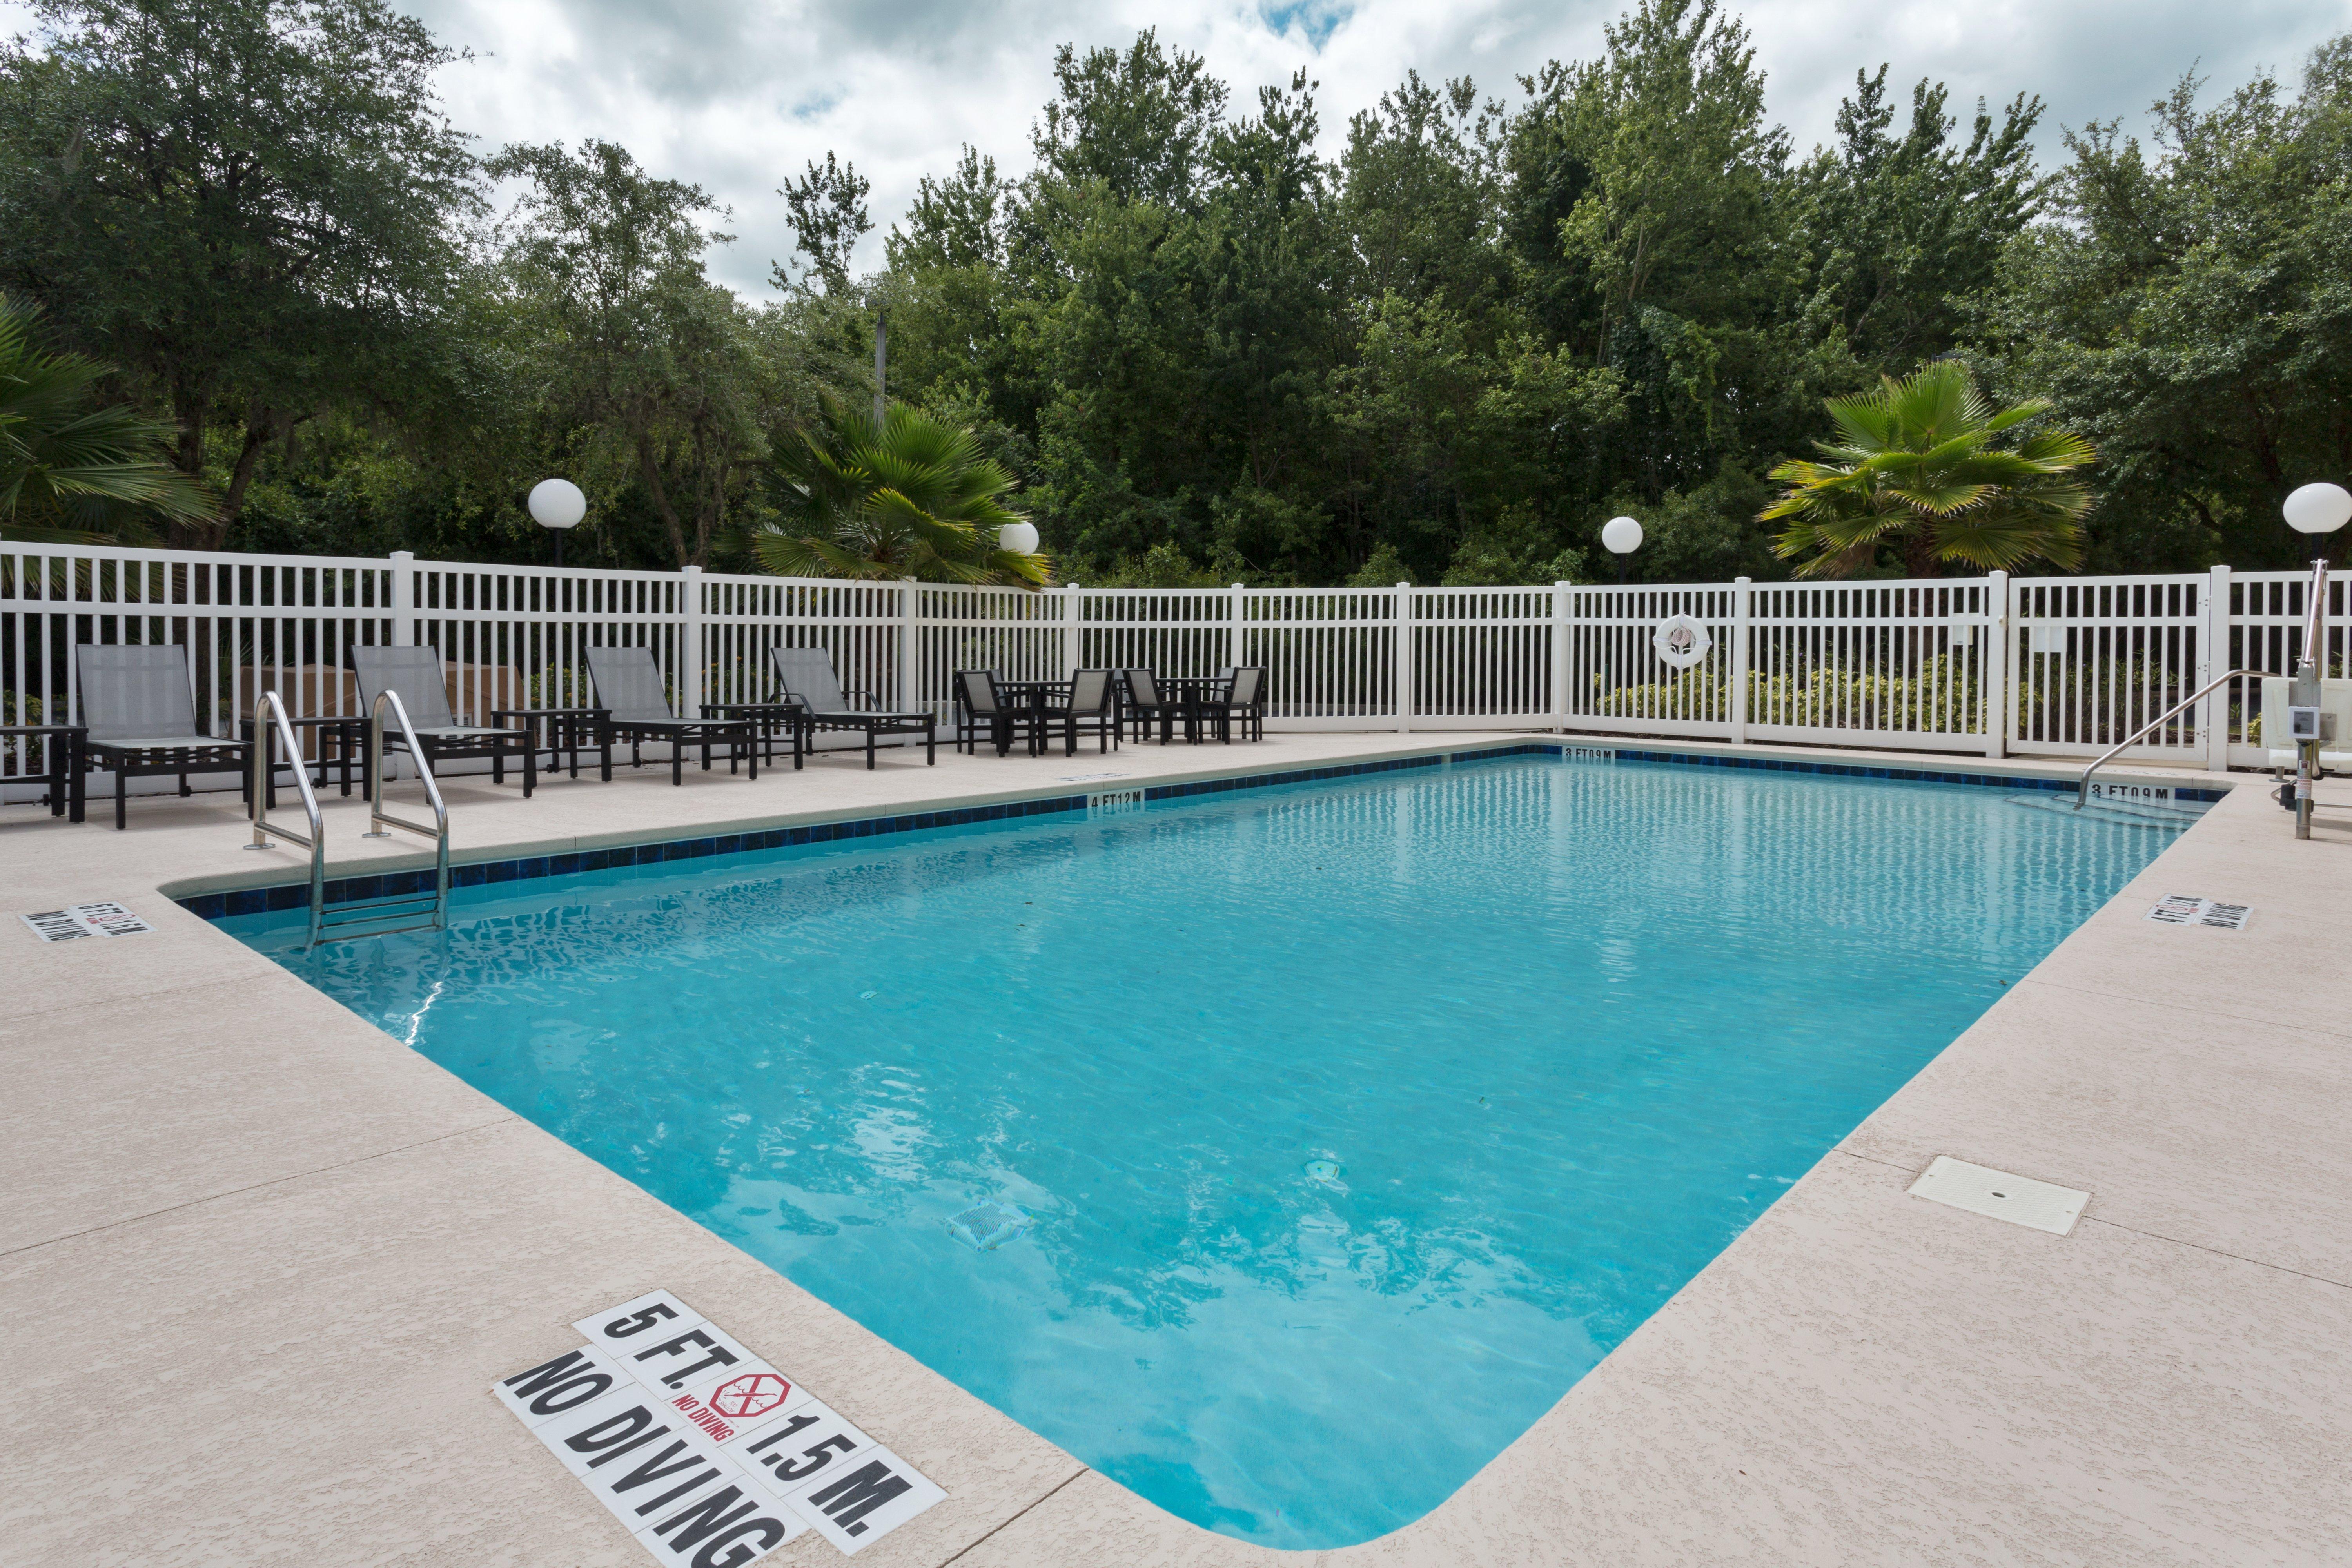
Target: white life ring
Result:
[[1681, 641]]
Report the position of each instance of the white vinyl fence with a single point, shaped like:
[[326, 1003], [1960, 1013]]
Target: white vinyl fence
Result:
[[1989, 666]]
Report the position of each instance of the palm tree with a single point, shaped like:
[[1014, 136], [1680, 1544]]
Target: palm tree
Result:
[[912, 498], [73, 470], [1919, 467]]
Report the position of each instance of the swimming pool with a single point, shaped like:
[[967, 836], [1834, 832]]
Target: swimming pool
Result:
[[1283, 1153]]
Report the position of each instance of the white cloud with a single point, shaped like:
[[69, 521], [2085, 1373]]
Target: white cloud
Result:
[[736, 95]]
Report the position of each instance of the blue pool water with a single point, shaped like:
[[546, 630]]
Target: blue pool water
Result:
[[1324, 1135]]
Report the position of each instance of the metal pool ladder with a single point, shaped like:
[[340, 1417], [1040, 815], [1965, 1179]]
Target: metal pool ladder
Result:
[[351, 918]]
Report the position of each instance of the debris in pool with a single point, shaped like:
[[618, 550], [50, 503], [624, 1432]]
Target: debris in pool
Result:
[[867, 996], [984, 1227], [1325, 1171]]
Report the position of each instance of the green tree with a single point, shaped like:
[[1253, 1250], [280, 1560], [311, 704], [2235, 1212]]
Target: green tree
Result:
[[1654, 224], [2190, 311], [827, 212], [1139, 122], [1904, 229], [74, 470], [652, 366], [250, 205], [1919, 467], [913, 497]]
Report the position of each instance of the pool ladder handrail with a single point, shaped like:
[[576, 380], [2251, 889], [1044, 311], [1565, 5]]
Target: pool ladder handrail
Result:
[[379, 819], [2082, 787], [268, 708]]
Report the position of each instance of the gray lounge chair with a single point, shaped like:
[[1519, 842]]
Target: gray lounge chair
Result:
[[416, 675], [636, 705], [806, 675], [140, 710]]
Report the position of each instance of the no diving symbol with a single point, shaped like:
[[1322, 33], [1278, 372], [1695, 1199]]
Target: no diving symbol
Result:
[[753, 1394]]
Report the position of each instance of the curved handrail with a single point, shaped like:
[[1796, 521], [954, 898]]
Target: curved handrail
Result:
[[379, 819], [2082, 787], [270, 706]]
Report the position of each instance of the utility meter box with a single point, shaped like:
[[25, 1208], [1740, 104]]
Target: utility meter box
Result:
[[2310, 726]]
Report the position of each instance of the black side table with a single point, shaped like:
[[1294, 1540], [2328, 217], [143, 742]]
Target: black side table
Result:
[[567, 729], [348, 731], [62, 749], [793, 717]]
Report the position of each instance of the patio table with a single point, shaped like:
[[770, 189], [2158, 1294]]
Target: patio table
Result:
[[794, 717], [1032, 696], [63, 754], [1191, 692], [349, 731], [568, 729]]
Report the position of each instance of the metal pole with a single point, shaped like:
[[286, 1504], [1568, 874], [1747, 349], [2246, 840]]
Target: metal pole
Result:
[[2305, 690], [881, 339]]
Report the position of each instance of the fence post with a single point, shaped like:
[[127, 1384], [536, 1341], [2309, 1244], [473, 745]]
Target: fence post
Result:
[[1074, 629], [2214, 658], [690, 658], [1999, 661], [1233, 643], [1560, 658], [404, 598], [909, 689], [1403, 658], [1739, 587]]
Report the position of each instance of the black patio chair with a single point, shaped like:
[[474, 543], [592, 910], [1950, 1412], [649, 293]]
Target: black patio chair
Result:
[[636, 706], [1091, 707], [140, 710], [1240, 701], [1145, 703], [806, 675], [981, 711], [417, 677]]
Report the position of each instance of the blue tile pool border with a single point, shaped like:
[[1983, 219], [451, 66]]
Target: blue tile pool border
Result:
[[295, 895]]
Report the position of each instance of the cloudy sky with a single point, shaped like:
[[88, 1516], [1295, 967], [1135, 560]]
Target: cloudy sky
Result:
[[737, 94]]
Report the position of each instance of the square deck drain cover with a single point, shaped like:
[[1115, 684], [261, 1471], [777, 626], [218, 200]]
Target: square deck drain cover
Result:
[[2020, 1200]]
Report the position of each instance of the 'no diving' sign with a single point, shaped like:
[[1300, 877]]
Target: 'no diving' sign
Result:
[[711, 1458]]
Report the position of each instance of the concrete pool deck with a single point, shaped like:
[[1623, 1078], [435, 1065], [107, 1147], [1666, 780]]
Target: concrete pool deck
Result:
[[261, 1262]]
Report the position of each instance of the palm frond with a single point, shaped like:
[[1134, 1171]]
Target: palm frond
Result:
[[1916, 459], [911, 497], [72, 472]]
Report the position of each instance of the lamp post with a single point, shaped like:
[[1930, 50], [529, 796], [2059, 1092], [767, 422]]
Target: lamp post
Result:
[[2319, 510], [1622, 536], [558, 505], [1021, 538]]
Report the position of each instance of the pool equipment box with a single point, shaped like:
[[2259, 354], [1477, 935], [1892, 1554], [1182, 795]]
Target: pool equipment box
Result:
[[705, 1452]]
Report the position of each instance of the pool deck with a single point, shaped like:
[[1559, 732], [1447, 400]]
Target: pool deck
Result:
[[261, 1262]]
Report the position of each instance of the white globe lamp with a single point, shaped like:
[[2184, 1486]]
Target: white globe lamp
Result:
[[1622, 536], [557, 504], [2319, 508], [1020, 538]]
